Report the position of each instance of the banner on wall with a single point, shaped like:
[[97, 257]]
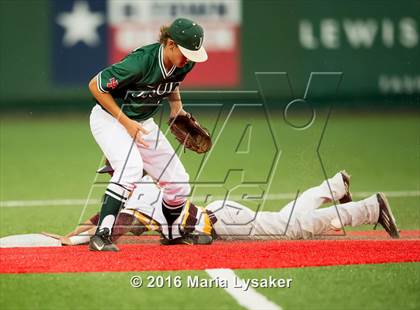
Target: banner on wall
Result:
[[89, 35]]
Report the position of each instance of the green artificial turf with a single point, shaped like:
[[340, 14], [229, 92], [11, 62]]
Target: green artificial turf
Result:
[[107, 291], [56, 158], [387, 286]]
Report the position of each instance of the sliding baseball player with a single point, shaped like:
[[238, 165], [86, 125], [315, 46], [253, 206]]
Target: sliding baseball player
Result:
[[229, 220]]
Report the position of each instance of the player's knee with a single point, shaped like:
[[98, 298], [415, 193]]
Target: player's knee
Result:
[[175, 192], [183, 188], [178, 182]]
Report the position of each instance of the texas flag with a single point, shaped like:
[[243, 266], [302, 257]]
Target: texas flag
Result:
[[87, 36]]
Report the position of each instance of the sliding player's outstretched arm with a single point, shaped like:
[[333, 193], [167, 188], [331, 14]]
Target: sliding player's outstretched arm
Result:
[[80, 235], [91, 222]]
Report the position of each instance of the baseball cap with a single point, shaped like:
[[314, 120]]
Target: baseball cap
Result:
[[189, 36]]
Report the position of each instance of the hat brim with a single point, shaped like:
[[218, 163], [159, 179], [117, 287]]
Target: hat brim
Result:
[[197, 56]]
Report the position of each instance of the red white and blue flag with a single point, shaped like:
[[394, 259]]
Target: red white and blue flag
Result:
[[89, 35]]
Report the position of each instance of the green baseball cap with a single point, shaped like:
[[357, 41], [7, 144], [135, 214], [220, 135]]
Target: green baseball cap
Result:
[[189, 36]]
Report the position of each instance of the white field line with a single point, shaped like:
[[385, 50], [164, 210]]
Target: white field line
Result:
[[249, 299], [279, 196], [42, 203]]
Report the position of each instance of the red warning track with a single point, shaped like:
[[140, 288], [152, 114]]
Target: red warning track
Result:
[[240, 255]]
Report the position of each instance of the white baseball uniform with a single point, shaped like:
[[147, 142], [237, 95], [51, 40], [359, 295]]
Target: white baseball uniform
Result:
[[129, 159], [301, 217]]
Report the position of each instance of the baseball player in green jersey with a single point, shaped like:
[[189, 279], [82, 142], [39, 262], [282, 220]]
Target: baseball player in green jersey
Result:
[[128, 94]]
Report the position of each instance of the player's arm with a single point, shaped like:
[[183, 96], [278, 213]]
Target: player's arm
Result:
[[175, 103], [81, 234], [91, 222], [107, 102]]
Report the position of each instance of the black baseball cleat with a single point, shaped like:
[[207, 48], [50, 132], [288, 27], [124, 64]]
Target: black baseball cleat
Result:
[[180, 240], [101, 241], [347, 196], [189, 239], [386, 218]]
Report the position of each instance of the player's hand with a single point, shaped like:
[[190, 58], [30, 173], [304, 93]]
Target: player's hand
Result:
[[63, 239], [174, 113], [136, 131]]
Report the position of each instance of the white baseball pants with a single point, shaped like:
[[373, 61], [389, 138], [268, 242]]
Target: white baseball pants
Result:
[[129, 159], [299, 219]]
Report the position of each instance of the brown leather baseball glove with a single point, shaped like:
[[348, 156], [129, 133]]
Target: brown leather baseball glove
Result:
[[189, 132]]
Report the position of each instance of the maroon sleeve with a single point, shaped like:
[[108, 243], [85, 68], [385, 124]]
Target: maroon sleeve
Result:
[[94, 219]]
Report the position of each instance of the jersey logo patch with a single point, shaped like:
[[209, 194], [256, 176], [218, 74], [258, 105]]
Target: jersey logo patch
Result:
[[112, 84]]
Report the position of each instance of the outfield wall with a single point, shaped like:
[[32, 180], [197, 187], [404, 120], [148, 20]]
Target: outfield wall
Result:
[[372, 47]]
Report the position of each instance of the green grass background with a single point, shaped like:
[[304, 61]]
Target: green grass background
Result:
[[51, 158], [387, 286], [55, 157]]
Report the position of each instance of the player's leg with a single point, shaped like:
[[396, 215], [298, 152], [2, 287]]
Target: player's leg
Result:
[[234, 221], [315, 197], [321, 221], [371, 210], [162, 163], [118, 147]]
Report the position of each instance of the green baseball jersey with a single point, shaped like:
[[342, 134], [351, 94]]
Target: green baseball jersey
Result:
[[140, 81]]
